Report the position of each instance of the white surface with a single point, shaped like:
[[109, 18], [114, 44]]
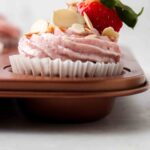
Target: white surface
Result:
[[126, 128]]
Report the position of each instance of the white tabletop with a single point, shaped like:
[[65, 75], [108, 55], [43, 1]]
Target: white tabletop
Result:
[[126, 128]]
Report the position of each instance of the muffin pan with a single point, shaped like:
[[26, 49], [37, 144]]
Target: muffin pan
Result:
[[70, 99]]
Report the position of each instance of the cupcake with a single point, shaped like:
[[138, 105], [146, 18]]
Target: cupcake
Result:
[[9, 34], [80, 41]]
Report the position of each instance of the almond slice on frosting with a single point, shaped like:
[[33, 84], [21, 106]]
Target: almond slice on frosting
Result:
[[40, 26], [91, 36], [72, 5], [78, 28], [87, 21], [66, 18], [111, 33]]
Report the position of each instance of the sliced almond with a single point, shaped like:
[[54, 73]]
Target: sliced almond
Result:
[[91, 36], [77, 28], [51, 29], [73, 8], [62, 29], [66, 18], [72, 5], [88, 22], [80, 19], [29, 34], [88, 30], [111, 33], [40, 26]]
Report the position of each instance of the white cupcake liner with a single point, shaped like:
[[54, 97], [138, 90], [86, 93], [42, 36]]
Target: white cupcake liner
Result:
[[47, 67]]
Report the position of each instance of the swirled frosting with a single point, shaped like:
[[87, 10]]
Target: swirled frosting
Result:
[[69, 45]]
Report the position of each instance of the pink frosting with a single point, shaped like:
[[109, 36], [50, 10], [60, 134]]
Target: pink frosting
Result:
[[69, 45]]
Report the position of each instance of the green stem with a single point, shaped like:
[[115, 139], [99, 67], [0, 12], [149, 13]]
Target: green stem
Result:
[[126, 14]]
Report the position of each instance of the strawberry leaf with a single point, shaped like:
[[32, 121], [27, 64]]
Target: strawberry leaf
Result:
[[109, 3], [126, 14]]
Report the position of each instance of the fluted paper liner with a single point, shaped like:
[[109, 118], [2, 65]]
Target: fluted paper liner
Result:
[[47, 67]]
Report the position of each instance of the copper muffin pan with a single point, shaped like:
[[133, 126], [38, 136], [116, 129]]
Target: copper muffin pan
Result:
[[70, 99]]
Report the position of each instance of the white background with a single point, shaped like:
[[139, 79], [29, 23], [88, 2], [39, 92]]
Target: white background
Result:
[[126, 128]]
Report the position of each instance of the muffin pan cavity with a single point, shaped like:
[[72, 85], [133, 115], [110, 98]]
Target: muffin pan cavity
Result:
[[70, 99]]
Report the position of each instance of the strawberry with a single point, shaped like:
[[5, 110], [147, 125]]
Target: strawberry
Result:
[[100, 15], [106, 13]]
